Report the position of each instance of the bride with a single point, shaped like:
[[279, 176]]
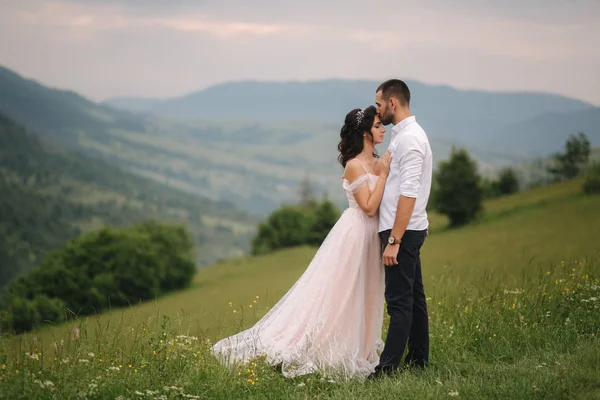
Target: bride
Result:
[[330, 320]]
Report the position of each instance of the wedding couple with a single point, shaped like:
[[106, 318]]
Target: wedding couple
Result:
[[331, 319]]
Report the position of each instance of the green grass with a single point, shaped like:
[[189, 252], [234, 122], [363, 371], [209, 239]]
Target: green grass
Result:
[[514, 306]]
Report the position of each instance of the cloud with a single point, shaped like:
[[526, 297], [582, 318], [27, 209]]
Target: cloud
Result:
[[159, 48], [98, 16]]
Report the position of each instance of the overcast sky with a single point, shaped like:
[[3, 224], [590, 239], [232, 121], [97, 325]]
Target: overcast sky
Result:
[[153, 48]]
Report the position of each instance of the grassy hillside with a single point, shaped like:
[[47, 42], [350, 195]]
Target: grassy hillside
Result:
[[513, 304], [49, 196]]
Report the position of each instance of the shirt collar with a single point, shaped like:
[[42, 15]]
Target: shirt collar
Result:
[[402, 124]]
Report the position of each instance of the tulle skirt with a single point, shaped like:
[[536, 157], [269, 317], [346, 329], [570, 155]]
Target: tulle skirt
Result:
[[330, 321]]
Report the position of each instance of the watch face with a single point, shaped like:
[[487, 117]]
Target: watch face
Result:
[[391, 240]]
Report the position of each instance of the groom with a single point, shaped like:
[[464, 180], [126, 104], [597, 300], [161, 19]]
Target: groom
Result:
[[403, 227]]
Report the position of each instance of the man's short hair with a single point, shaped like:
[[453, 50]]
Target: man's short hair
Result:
[[395, 88]]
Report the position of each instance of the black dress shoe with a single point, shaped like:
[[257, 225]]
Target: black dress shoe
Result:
[[375, 376]]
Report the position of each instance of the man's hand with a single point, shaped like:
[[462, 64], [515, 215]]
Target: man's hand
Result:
[[390, 255]]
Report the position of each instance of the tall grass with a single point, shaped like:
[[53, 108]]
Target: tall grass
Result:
[[513, 303], [489, 339]]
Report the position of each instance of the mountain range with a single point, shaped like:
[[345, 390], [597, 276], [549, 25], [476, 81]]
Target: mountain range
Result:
[[250, 144], [464, 116]]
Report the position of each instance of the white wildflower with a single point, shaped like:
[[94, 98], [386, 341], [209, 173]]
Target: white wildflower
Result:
[[91, 355], [187, 337], [453, 393], [83, 360]]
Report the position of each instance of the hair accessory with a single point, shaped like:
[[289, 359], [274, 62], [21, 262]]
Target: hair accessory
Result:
[[359, 116]]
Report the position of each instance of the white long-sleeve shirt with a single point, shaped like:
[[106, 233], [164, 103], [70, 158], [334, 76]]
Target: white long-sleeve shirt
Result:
[[410, 175]]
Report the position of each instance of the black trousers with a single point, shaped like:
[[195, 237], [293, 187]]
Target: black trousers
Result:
[[406, 305]]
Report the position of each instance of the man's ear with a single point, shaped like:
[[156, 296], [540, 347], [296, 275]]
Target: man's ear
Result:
[[393, 104]]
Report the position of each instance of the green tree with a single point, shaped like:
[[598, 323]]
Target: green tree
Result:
[[306, 193], [110, 266], [508, 182], [326, 215], [591, 185], [459, 194], [287, 226], [569, 164]]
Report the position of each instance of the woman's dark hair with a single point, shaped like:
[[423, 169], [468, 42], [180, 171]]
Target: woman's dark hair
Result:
[[357, 123]]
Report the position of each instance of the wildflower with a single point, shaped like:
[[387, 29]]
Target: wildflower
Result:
[[3, 366], [453, 393], [91, 355], [84, 360]]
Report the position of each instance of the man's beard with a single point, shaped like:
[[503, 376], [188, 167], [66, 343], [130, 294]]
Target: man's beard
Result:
[[386, 119]]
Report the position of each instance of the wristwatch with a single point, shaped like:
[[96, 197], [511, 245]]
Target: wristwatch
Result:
[[392, 240]]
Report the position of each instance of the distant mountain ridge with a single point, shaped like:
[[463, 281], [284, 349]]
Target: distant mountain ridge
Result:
[[465, 116], [252, 143], [330, 99]]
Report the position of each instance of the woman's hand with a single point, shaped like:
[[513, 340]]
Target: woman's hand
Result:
[[386, 160]]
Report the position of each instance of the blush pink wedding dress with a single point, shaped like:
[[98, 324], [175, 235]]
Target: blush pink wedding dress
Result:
[[330, 321]]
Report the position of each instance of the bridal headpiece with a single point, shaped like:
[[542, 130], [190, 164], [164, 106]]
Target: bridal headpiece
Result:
[[359, 116]]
